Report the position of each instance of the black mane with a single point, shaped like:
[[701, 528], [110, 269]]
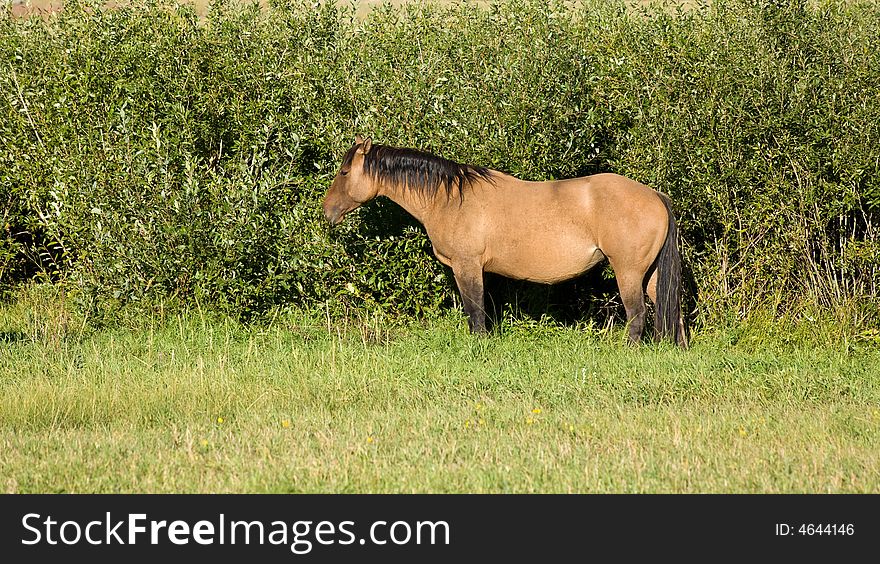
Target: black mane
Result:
[[418, 170]]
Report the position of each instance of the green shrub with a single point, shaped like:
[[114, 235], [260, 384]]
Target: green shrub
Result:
[[150, 156]]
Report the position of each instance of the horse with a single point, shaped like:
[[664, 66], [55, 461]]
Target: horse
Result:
[[481, 220]]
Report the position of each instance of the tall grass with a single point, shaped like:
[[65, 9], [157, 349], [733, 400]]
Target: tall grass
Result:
[[203, 403]]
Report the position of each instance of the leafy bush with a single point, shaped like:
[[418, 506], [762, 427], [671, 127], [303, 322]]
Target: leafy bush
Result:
[[151, 155]]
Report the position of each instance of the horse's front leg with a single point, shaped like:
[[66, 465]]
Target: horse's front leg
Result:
[[469, 279]]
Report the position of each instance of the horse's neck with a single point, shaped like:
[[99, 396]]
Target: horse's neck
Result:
[[418, 206]]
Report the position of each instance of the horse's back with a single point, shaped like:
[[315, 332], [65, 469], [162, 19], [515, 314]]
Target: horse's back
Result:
[[606, 205], [552, 231]]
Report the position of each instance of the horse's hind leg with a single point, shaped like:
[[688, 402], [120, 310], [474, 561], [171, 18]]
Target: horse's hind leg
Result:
[[651, 288], [632, 293]]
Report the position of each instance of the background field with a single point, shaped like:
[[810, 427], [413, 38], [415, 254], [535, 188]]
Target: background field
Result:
[[42, 7], [176, 315]]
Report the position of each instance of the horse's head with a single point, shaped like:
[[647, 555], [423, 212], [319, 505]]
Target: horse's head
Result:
[[352, 186]]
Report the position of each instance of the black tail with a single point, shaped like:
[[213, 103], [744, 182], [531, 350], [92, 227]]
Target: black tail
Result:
[[668, 319]]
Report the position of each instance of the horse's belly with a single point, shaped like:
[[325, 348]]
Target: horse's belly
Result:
[[542, 264]]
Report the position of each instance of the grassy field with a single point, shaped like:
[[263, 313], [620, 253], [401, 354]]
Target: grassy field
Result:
[[362, 7], [195, 404], [43, 7]]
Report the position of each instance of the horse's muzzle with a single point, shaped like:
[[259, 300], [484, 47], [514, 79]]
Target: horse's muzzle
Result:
[[333, 214]]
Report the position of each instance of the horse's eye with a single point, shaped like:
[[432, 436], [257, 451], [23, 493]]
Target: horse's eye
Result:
[[343, 172]]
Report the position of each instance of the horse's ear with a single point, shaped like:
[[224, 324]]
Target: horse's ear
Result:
[[367, 145], [358, 139]]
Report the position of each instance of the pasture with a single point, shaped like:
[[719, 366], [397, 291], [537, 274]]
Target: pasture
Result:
[[177, 316], [202, 404]]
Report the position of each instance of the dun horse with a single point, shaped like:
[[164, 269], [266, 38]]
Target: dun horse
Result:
[[480, 220]]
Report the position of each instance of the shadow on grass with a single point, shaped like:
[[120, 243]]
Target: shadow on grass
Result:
[[9, 337]]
